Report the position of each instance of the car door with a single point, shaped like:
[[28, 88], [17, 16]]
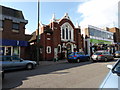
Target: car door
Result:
[[82, 55], [108, 55], [6, 63], [17, 63], [111, 56]]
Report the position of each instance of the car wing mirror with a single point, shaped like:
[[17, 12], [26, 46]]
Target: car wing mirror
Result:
[[109, 67], [21, 60]]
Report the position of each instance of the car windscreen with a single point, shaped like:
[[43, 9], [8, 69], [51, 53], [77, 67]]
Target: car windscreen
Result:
[[117, 67], [97, 53], [80, 53], [15, 58], [117, 52], [71, 53]]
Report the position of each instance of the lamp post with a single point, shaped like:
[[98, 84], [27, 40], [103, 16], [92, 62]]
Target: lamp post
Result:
[[38, 37]]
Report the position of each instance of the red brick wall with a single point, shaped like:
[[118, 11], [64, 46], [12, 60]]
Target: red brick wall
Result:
[[55, 38], [7, 32]]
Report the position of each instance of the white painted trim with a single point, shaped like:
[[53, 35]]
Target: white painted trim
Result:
[[19, 51], [5, 51], [11, 50], [48, 39], [17, 31], [48, 33]]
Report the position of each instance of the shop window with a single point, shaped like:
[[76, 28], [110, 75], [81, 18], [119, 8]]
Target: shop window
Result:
[[48, 49], [15, 50], [8, 50]]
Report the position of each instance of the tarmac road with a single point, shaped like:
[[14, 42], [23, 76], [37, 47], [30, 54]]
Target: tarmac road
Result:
[[62, 75]]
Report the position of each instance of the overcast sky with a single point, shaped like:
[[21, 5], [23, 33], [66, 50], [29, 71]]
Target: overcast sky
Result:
[[100, 13]]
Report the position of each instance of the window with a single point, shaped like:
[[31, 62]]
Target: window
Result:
[[15, 26], [8, 50], [15, 50], [48, 49], [70, 34], [91, 32], [1, 25], [66, 33], [63, 34], [59, 48]]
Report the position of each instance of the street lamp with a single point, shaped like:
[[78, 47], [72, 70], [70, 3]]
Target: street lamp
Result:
[[38, 37]]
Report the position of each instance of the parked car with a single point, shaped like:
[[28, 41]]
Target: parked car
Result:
[[102, 55], [112, 80], [117, 54], [14, 62], [77, 57]]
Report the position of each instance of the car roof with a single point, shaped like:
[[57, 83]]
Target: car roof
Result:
[[102, 51]]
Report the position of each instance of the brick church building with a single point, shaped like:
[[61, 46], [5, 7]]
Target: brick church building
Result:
[[57, 39]]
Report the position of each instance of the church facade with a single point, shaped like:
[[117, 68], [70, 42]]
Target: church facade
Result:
[[58, 38]]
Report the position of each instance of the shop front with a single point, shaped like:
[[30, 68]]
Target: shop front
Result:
[[96, 45], [11, 47]]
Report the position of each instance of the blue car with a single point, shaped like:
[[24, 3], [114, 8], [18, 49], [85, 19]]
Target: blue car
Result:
[[77, 57], [112, 80]]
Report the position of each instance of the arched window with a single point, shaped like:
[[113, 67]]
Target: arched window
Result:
[[48, 49], [70, 34], [59, 48], [67, 33], [63, 33]]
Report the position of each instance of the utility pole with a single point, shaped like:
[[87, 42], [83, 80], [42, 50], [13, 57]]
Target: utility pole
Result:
[[38, 36]]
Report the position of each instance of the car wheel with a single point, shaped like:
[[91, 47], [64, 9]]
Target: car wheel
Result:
[[78, 60], [106, 59], [88, 59], [29, 66]]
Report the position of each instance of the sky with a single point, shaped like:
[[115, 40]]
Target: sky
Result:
[[100, 13]]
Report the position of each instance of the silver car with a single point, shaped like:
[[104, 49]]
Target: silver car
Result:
[[101, 56], [117, 54], [14, 62], [113, 78]]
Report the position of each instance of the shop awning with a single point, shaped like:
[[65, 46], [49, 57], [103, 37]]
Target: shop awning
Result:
[[4, 42], [100, 41]]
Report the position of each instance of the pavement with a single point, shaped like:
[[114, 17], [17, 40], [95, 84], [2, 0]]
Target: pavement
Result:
[[44, 63]]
